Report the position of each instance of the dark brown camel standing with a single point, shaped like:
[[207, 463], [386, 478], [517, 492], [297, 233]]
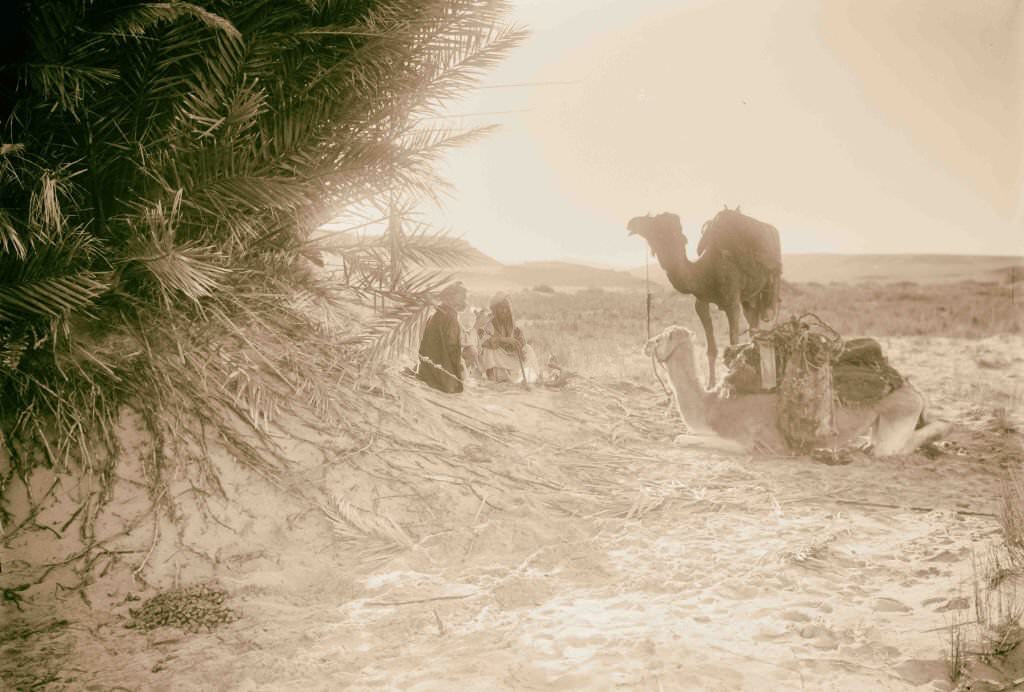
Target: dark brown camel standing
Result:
[[739, 267]]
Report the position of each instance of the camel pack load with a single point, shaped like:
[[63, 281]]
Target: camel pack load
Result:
[[818, 369]]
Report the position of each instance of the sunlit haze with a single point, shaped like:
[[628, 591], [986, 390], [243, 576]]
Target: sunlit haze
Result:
[[853, 127]]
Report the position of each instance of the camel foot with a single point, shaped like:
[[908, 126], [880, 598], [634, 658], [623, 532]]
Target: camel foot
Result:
[[929, 433]]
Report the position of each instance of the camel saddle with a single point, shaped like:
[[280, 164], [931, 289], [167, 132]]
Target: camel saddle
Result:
[[861, 374]]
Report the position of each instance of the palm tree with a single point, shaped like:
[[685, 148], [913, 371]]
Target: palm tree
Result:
[[164, 168]]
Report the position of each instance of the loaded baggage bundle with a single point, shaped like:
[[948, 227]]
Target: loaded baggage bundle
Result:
[[818, 369]]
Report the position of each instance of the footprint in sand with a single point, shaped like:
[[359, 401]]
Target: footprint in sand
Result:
[[854, 590], [814, 605], [737, 592], [947, 556], [889, 605], [770, 633], [822, 636], [796, 616], [920, 672], [961, 603]]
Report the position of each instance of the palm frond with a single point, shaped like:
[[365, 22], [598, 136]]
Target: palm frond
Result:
[[190, 268], [136, 20], [12, 348], [54, 192], [400, 325], [68, 86], [10, 239], [427, 248], [173, 162], [51, 297]]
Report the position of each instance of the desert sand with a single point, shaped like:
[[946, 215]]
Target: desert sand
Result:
[[539, 539]]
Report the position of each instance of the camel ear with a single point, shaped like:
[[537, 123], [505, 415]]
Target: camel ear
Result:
[[682, 333]]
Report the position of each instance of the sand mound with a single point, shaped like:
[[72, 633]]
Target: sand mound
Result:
[[510, 539]]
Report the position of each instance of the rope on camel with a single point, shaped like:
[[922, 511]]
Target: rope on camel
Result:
[[808, 346], [647, 288]]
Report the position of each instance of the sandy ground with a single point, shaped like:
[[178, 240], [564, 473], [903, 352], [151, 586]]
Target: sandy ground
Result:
[[577, 549]]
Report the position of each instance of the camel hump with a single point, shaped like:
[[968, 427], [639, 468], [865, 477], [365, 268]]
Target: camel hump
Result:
[[743, 237], [754, 246]]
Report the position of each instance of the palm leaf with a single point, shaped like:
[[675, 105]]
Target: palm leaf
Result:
[[192, 269], [427, 248], [189, 267], [136, 20], [10, 239], [401, 324], [68, 85], [261, 119], [51, 297]]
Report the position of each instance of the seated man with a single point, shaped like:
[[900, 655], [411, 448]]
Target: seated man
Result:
[[440, 363], [471, 340], [504, 354]]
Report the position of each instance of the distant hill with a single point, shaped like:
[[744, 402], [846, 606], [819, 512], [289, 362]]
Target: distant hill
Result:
[[827, 268], [485, 274], [557, 275], [475, 258], [824, 268], [816, 268]]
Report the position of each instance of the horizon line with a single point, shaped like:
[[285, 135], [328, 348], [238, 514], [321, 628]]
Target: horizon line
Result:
[[585, 262]]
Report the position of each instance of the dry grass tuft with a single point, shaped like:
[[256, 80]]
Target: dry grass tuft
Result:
[[1001, 421], [998, 610], [957, 658], [1011, 517]]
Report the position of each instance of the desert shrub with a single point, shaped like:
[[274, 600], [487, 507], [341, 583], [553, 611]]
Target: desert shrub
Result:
[[543, 288], [1011, 517]]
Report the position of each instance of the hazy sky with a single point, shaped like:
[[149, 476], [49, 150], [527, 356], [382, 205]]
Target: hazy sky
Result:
[[864, 126]]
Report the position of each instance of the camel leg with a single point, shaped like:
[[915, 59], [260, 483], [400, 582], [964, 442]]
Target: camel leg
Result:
[[704, 313], [733, 315], [892, 436], [896, 428], [752, 317]]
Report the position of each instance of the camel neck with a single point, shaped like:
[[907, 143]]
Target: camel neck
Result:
[[679, 270], [691, 397]]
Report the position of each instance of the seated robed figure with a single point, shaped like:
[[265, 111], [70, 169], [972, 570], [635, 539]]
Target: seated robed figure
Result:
[[440, 361], [504, 354]]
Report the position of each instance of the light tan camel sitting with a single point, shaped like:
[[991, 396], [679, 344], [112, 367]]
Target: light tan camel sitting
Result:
[[747, 423]]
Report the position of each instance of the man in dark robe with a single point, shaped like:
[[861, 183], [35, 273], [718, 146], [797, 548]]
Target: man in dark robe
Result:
[[441, 347]]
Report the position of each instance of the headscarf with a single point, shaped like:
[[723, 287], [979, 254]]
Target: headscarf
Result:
[[449, 292], [501, 314]]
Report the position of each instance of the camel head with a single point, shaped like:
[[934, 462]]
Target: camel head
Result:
[[663, 233], [673, 340]]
